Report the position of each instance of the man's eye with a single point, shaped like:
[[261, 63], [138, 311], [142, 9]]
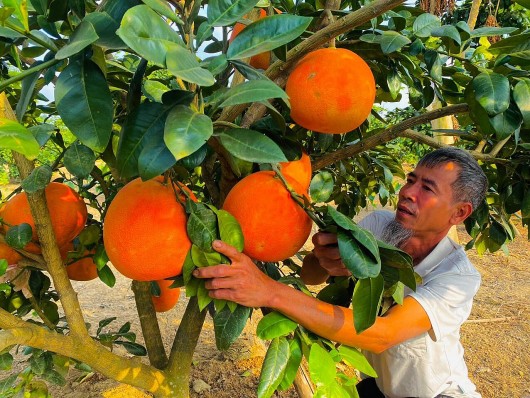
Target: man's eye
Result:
[[427, 188]]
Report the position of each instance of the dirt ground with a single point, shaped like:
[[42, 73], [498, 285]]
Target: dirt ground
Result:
[[496, 337]]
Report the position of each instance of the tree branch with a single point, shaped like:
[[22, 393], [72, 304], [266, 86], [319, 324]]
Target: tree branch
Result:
[[149, 324], [386, 135], [50, 251]]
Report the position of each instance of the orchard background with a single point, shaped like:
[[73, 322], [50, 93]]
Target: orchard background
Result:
[[95, 94]]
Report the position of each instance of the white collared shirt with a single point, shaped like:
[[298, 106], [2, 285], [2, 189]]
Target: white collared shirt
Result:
[[432, 363]]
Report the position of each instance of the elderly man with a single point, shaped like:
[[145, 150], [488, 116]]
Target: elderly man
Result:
[[414, 347]]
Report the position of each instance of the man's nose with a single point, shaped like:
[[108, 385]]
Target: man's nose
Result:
[[409, 192]]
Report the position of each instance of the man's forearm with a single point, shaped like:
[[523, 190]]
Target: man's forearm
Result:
[[329, 321]]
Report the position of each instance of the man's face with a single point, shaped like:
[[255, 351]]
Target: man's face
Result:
[[426, 201]]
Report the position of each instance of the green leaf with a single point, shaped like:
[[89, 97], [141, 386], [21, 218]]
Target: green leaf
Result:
[[321, 187], [42, 132], [182, 63], [203, 297], [15, 137], [105, 26], [84, 103], [267, 34], [357, 259], [6, 361], [147, 34], [79, 160], [133, 348], [366, 299], [521, 96], [202, 227], [273, 368], [393, 257], [155, 159], [107, 276], [202, 258], [295, 359], [226, 12], [511, 44], [251, 146], [186, 131], [230, 230], [144, 123], [228, 325], [425, 24], [38, 179], [524, 3], [447, 31], [492, 91], [363, 236], [83, 36], [3, 266], [20, 11], [8, 383], [274, 325], [154, 90], [393, 41], [19, 235], [333, 389], [321, 366], [251, 91], [492, 31], [354, 358], [506, 123], [163, 8]]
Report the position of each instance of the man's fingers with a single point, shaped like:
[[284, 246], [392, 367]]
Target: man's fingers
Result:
[[324, 238], [215, 271], [224, 248], [328, 252]]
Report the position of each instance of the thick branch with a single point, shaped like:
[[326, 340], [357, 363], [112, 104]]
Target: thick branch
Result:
[[129, 371], [279, 70], [179, 364], [149, 323], [50, 251], [386, 135], [432, 142]]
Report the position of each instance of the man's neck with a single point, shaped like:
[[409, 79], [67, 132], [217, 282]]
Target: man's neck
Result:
[[420, 247]]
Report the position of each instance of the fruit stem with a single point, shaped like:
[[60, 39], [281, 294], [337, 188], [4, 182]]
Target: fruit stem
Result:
[[296, 198]]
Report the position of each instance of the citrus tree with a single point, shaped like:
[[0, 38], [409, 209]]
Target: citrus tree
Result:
[[155, 110]]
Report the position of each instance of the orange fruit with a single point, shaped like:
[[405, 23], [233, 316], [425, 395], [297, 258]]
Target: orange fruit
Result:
[[67, 209], [9, 254], [168, 297], [144, 230], [274, 226], [299, 170], [331, 90], [258, 61], [312, 273], [83, 269]]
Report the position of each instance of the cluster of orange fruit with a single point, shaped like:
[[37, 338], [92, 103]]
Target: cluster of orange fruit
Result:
[[68, 213]]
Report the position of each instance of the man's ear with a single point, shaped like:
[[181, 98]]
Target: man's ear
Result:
[[461, 211]]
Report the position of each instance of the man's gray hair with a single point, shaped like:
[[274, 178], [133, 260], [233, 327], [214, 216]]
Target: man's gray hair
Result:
[[471, 183]]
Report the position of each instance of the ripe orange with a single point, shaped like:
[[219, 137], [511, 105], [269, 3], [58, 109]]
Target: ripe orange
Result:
[[299, 170], [273, 225], [9, 254], [331, 90], [168, 297], [144, 231], [258, 61], [68, 213], [83, 269]]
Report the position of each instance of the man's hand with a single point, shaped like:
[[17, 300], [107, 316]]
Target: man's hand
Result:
[[327, 251], [241, 282]]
